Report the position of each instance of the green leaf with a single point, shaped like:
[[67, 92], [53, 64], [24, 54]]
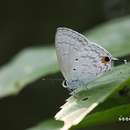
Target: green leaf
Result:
[[107, 116], [113, 35], [26, 67], [79, 105], [114, 107], [48, 125]]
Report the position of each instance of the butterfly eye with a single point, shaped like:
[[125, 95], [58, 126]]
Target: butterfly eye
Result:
[[105, 59]]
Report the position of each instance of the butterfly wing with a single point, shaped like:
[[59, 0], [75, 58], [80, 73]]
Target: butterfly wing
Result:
[[80, 60]]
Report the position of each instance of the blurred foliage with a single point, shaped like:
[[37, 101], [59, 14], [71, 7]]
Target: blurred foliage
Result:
[[114, 36], [26, 67]]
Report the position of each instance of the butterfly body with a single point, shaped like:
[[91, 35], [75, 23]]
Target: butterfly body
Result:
[[81, 61]]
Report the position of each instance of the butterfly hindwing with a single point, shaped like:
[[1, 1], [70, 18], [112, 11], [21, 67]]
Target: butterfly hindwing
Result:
[[80, 60]]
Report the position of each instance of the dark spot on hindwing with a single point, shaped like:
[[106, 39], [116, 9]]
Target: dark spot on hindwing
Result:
[[105, 59]]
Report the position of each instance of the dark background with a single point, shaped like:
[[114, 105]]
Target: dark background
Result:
[[25, 23]]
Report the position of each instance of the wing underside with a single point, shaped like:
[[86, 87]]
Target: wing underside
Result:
[[79, 59]]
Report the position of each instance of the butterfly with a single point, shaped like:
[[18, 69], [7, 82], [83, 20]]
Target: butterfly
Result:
[[80, 60]]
